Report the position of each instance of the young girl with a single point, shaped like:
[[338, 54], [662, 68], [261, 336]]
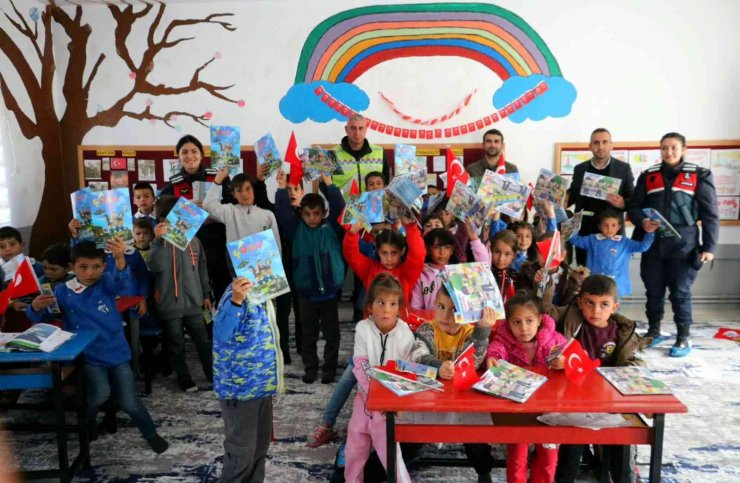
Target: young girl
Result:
[[526, 340], [527, 249], [504, 246], [378, 339], [440, 247], [457, 229], [439, 342]]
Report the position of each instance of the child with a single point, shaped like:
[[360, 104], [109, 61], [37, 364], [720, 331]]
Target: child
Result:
[[57, 265], [380, 338], [605, 335], [439, 343], [456, 228], [503, 247], [88, 303], [144, 200], [247, 372], [525, 340], [527, 249], [431, 222], [374, 181], [143, 236], [561, 282], [11, 245], [318, 271], [440, 245], [181, 291], [608, 252]]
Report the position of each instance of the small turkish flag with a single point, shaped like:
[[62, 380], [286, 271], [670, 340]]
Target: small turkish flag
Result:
[[24, 282], [577, 362], [354, 189], [4, 300], [455, 171], [465, 375], [551, 251], [291, 156]]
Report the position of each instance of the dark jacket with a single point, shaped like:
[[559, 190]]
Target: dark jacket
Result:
[[478, 169]]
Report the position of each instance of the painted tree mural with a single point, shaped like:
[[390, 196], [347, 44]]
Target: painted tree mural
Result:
[[61, 135]]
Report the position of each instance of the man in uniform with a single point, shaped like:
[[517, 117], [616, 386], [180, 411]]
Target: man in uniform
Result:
[[358, 157]]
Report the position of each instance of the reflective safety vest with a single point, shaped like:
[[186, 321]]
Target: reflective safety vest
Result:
[[372, 161], [683, 209], [184, 188]]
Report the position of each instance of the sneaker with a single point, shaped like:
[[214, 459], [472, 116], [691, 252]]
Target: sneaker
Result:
[[158, 443], [321, 435], [681, 348], [310, 376], [328, 376], [188, 385]]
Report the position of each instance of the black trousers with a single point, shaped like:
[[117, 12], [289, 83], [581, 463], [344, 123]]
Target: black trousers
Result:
[[317, 316], [569, 460]]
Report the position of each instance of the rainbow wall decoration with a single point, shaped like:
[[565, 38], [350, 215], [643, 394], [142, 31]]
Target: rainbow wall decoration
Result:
[[343, 47]]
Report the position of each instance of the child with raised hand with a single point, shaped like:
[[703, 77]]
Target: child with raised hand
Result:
[[440, 248], [439, 342], [527, 249], [378, 339], [247, 372], [608, 253], [603, 334], [504, 246], [88, 302], [526, 340]]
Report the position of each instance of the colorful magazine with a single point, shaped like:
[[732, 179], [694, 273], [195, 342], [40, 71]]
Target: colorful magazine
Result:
[[405, 190], [257, 258], [366, 209], [405, 159], [550, 187], [225, 148], [416, 368], [432, 202], [504, 192], [183, 222], [267, 153], [465, 205], [104, 215], [599, 187], [633, 380], [40, 337], [317, 161], [666, 229], [399, 385], [571, 226], [472, 287], [510, 382]]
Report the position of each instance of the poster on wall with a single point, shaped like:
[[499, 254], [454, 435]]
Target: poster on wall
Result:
[[170, 167], [147, 171], [119, 179], [92, 169], [98, 185], [569, 160], [729, 207], [106, 164], [642, 159], [700, 157], [726, 171]]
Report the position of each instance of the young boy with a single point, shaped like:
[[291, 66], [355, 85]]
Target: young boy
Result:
[[247, 373], [57, 265], [374, 181], [605, 335], [144, 200], [11, 245], [143, 236], [318, 273], [88, 302], [608, 252], [181, 291]]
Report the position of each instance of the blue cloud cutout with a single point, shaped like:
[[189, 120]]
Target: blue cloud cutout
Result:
[[557, 101], [301, 102]]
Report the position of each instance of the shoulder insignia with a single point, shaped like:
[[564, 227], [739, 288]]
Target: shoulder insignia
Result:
[[177, 178]]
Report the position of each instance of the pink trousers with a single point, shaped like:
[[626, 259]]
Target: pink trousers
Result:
[[543, 464]]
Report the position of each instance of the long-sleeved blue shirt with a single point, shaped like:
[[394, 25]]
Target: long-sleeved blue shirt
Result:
[[94, 308]]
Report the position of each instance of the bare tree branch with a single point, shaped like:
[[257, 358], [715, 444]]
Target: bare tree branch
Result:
[[18, 60], [93, 72], [125, 19], [28, 127], [167, 118], [25, 29]]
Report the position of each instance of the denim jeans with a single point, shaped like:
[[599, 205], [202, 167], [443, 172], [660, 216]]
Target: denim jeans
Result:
[[339, 396], [100, 381]]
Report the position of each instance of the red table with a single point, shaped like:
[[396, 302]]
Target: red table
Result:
[[516, 423]]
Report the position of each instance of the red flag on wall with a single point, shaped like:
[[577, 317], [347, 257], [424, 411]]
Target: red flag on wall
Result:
[[465, 375]]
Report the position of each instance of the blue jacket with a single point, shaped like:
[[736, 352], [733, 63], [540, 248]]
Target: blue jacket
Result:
[[94, 308], [247, 362], [611, 256]]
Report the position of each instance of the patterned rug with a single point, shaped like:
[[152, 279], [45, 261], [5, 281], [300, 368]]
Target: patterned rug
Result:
[[701, 446]]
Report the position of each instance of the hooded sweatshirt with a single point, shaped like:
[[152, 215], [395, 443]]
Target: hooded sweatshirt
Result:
[[240, 220], [505, 346]]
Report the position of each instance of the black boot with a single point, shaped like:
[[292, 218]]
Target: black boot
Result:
[[653, 333], [682, 347]]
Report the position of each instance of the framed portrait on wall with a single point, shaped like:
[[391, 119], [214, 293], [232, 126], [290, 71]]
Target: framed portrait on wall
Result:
[[147, 170], [92, 169]]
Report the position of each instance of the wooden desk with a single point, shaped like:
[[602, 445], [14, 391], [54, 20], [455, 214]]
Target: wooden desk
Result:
[[47, 370], [516, 423]]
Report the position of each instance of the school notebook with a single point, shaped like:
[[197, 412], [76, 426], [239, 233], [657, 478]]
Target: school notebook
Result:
[[183, 222], [472, 287], [510, 382], [633, 380], [665, 229], [225, 148], [257, 258], [401, 386], [318, 161], [40, 337]]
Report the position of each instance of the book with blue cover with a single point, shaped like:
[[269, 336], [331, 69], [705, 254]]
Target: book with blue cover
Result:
[[466, 206], [257, 258], [366, 209], [267, 153], [183, 222], [82, 209], [225, 148], [665, 229], [472, 287], [405, 158], [104, 215]]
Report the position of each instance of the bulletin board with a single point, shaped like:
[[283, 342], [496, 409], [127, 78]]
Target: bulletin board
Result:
[[721, 156]]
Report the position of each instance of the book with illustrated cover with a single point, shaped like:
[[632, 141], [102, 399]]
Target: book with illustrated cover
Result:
[[465, 205], [257, 258], [666, 229], [183, 222], [558, 350], [550, 187], [504, 192], [571, 226], [399, 385], [365, 209], [225, 148], [318, 161], [510, 382], [633, 380], [598, 186], [104, 215], [432, 202], [472, 287], [416, 368], [405, 190], [405, 159], [267, 153], [40, 337]]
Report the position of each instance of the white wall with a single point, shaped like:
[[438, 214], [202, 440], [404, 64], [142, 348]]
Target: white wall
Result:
[[640, 69]]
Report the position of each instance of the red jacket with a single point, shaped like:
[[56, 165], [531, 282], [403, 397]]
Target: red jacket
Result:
[[367, 269], [505, 346]]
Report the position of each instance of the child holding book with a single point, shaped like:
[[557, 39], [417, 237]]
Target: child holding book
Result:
[[526, 340], [88, 302], [605, 335], [504, 246], [559, 283], [181, 291], [440, 246], [247, 363], [608, 253], [378, 339], [439, 343]]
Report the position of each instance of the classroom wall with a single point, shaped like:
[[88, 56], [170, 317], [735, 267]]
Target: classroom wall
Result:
[[639, 68]]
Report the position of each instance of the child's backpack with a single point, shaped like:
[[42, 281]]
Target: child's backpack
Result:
[[318, 266]]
